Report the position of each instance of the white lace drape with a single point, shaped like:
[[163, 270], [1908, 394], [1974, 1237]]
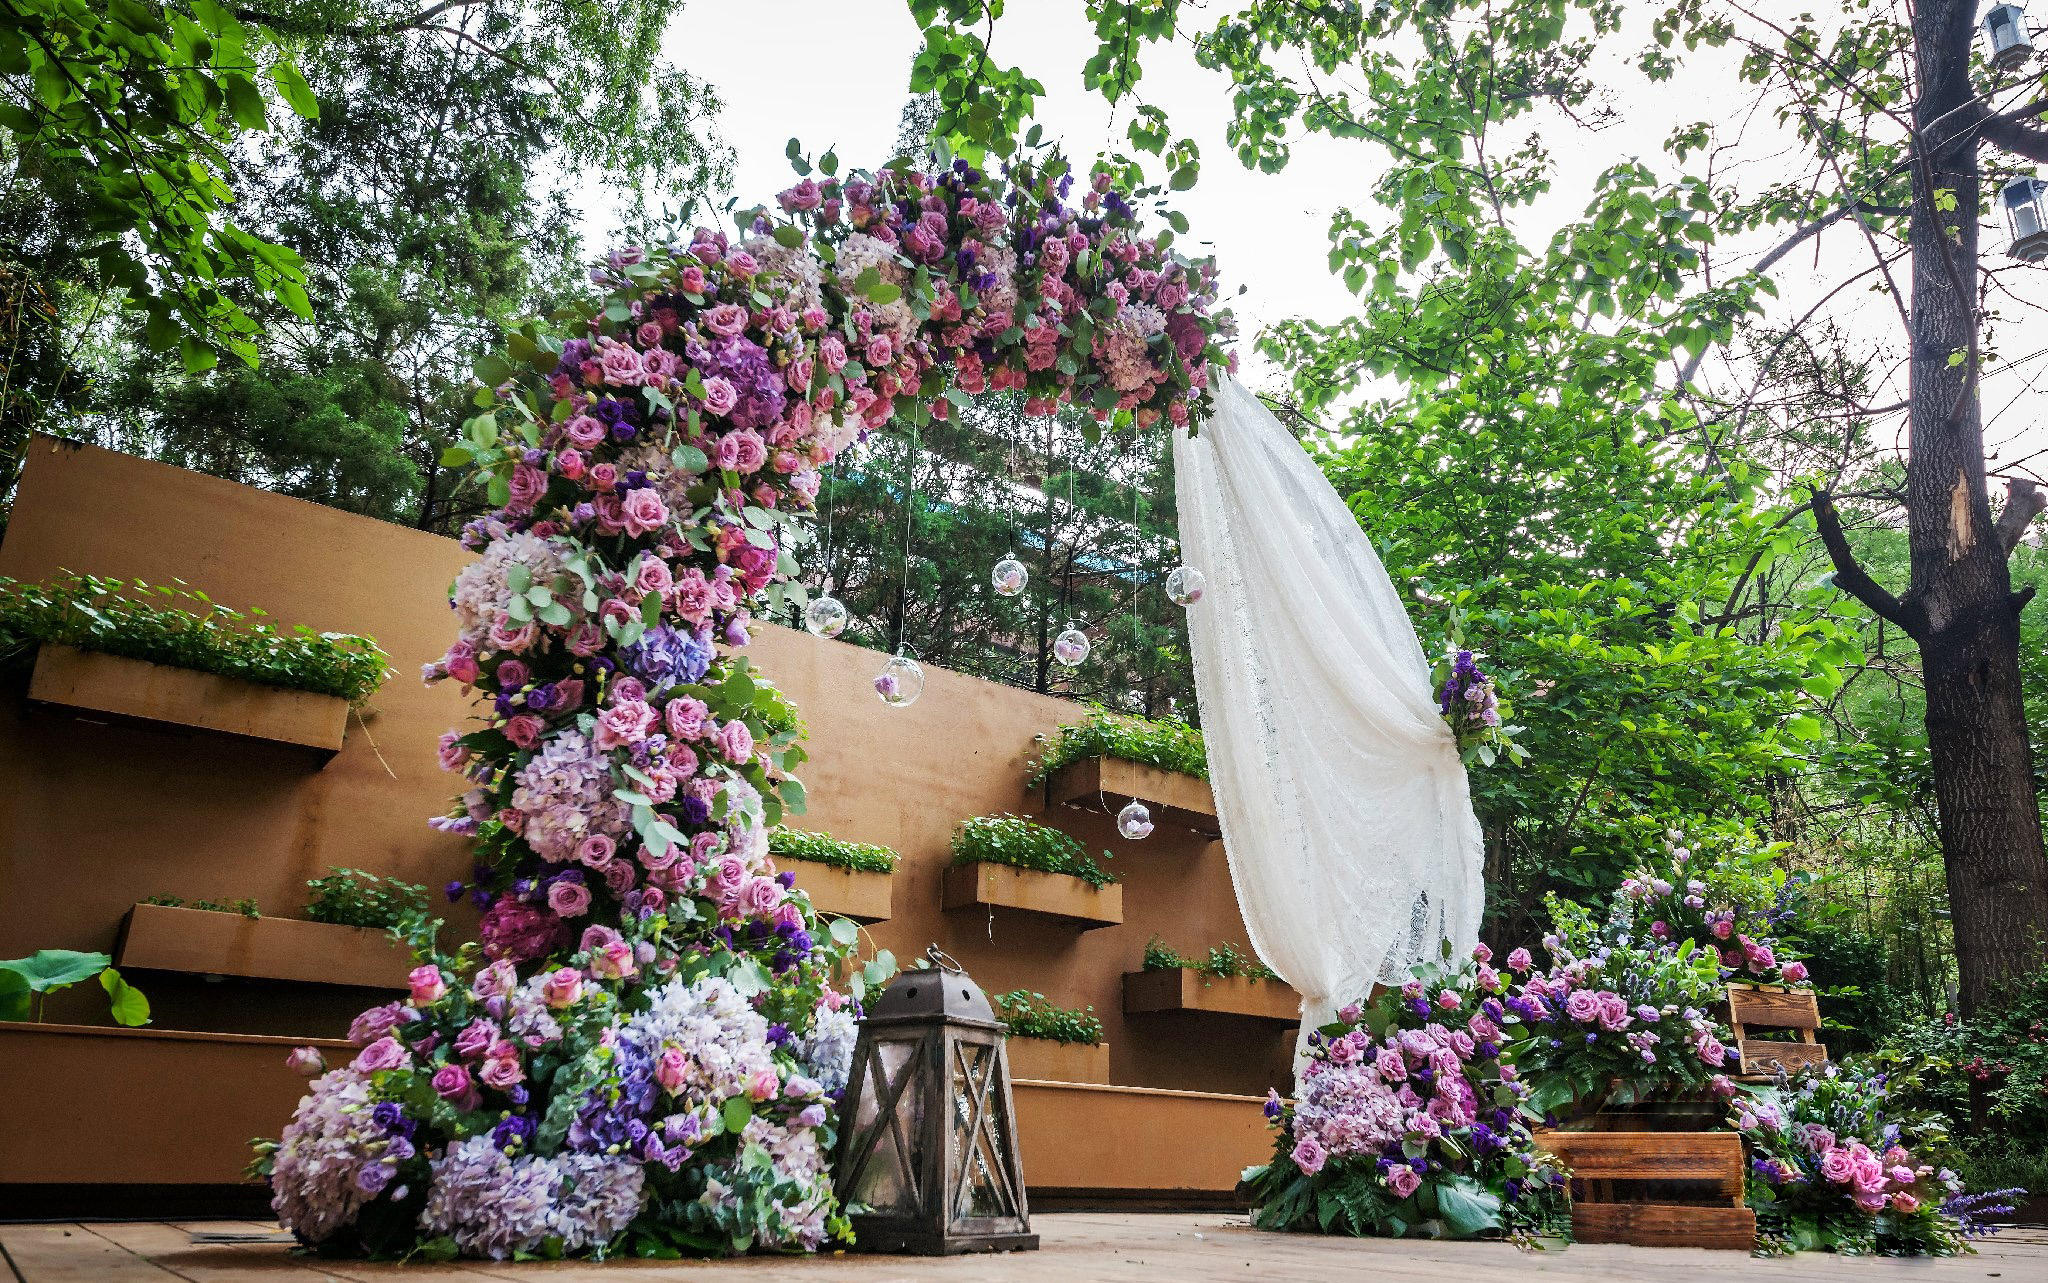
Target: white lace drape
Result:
[[1344, 808]]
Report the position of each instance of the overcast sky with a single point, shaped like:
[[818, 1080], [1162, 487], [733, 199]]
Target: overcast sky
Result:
[[833, 75]]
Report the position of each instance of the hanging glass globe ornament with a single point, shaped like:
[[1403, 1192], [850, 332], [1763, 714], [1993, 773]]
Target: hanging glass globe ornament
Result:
[[1071, 646], [1009, 577], [900, 682], [825, 616], [1186, 585], [1134, 821]]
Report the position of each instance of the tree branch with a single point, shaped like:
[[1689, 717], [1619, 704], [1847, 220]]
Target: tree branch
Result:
[[1850, 576], [2008, 131], [2023, 502]]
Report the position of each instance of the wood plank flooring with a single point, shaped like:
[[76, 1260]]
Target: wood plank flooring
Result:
[[1179, 1247]]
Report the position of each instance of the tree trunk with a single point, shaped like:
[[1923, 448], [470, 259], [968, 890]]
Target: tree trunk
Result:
[[1961, 609]]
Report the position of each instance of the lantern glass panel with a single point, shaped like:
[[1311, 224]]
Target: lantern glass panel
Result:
[[889, 1182], [978, 1127]]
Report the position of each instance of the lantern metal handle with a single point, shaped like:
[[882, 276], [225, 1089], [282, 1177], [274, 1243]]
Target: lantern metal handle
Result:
[[943, 961]]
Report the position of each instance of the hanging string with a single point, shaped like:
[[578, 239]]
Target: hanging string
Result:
[[909, 517]]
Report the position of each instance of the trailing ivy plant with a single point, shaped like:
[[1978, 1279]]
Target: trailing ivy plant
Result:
[[1223, 961], [1033, 1015], [353, 898], [1022, 844], [183, 628], [26, 982], [823, 848], [1168, 745]]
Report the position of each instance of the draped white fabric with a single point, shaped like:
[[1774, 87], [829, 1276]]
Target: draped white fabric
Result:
[[1344, 807]]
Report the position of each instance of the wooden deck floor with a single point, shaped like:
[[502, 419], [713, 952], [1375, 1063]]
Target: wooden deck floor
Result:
[[1077, 1245]]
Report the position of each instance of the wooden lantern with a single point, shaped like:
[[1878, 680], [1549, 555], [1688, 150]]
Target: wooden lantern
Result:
[[927, 1161]]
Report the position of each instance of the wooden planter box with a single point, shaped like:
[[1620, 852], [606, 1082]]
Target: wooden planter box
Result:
[[204, 942], [103, 1106], [1051, 895], [843, 893], [1184, 989], [1108, 783], [1775, 1007], [1656, 1188], [1043, 1060], [135, 690]]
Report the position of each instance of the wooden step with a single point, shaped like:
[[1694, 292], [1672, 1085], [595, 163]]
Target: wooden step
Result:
[[1712, 1160]]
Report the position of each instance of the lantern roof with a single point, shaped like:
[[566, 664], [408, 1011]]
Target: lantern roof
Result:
[[940, 991]]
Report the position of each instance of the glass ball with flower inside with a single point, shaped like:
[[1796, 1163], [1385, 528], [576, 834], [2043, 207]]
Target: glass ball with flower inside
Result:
[[1134, 821], [826, 616], [1071, 647], [1185, 585], [1009, 577], [900, 682]]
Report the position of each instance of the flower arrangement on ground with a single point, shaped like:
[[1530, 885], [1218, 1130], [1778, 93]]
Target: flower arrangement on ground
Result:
[[1831, 1169], [1736, 903], [645, 1051], [1410, 1118], [1620, 1016]]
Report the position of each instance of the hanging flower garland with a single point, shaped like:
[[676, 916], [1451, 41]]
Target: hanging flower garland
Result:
[[651, 1058]]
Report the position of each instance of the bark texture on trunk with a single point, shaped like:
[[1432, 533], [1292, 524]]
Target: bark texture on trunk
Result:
[[1961, 609]]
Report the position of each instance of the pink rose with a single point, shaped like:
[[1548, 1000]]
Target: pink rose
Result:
[[563, 986], [643, 511], [687, 718], [672, 1069], [1309, 1155], [1403, 1180], [385, 1053], [760, 896], [1520, 961], [427, 984], [476, 1038], [719, 395], [1905, 1203], [526, 486], [1583, 1006], [585, 431], [651, 575], [691, 279], [1448, 1000], [596, 851], [748, 450], [1392, 1066], [501, 1068], [307, 1061], [1794, 972], [736, 742], [496, 980], [613, 962], [764, 1085], [569, 899], [1837, 1166], [453, 755], [523, 730], [726, 320], [451, 1082], [832, 351], [624, 724], [513, 674]]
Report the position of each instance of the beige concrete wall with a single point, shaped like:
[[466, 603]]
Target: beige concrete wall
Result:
[[98, 816]]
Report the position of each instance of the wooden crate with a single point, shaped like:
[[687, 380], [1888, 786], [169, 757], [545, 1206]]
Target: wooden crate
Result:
[[1655, 1188], [1754, 1008]]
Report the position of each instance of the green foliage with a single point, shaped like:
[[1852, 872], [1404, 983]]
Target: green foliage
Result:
[[1223, 961], [1022, 844], [144, 105], [1168, 745], [1033, 1015], [431, 202], [1988, 1075], [25, 981], [184, 628], [244, 906], [823, 848], [353, 898]]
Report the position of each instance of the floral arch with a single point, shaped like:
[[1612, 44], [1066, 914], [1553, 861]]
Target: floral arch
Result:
[[648, 1053]]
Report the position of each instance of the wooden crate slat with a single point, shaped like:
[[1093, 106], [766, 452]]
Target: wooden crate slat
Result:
[[1774, 1008], [1713, 1159], [1665, 1225], [1761, 1057]]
